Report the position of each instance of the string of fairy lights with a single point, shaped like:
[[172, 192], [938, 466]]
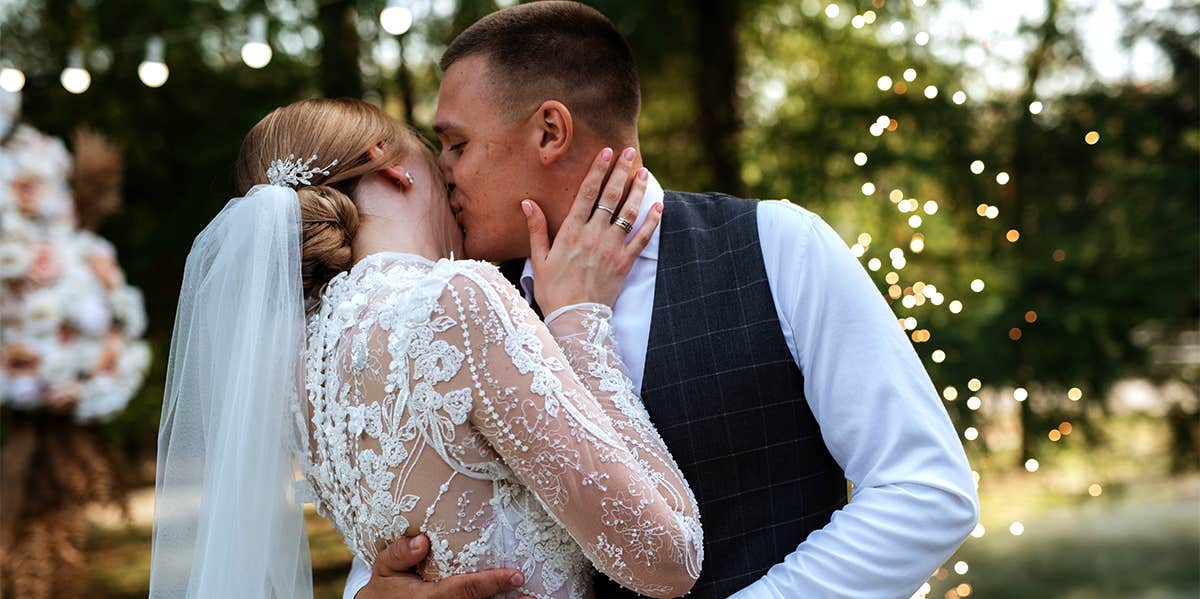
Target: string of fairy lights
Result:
[[920, 292], [256, 53]]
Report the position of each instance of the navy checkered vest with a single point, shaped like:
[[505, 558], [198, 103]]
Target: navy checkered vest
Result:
[[724, 392]]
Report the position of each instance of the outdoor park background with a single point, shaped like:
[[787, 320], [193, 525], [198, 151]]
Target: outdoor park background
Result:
[[1021, 179]]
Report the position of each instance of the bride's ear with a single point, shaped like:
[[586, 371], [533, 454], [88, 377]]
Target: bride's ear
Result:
[[395, 173], [555, 129]]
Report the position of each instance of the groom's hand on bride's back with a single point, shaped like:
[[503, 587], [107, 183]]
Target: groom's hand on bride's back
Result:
[[392, 577]]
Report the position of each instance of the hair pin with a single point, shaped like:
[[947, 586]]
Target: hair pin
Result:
[[294, 173]]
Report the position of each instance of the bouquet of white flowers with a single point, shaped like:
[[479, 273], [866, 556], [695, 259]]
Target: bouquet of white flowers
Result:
[[71, 324], [71, 353]]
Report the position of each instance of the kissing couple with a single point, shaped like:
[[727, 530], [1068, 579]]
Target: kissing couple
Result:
[[555, 426]]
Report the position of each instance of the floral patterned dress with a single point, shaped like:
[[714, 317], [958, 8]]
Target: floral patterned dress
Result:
[[438, 403]]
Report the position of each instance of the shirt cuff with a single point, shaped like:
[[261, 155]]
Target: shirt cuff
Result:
[[582, 306], [358, 578], [759, 589]]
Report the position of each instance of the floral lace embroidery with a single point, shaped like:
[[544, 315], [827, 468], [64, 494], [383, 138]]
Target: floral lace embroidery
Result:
[[438, 403]]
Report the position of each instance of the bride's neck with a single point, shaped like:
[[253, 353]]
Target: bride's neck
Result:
[[411, 220], [389, 233]]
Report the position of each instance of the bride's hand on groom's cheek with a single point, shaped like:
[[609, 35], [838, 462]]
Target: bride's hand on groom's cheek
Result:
[[593, 250], [392, 577]]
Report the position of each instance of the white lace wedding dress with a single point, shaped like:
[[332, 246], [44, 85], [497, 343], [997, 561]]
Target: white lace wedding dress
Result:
[[439, 403]]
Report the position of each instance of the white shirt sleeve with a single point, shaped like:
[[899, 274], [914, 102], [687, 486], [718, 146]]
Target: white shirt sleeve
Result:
[[914, 499], [360, 575]]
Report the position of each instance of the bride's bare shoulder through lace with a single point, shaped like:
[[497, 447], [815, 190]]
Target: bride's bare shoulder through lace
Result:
[[439, 403]]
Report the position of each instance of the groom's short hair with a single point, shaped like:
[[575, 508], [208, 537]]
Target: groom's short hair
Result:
[[554, 50]]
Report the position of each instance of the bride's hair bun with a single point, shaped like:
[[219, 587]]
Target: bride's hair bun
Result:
[[328, 223], [341, 130]]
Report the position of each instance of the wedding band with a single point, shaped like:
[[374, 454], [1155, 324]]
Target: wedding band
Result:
[[606, 209], [624, 224]]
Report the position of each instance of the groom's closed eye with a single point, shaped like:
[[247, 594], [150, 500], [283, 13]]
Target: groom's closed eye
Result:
[[447, 133]]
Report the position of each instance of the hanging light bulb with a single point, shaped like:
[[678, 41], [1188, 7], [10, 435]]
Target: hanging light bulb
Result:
[[12, 80], [75, 78], [396, 19], [153, 71], [257, 53]]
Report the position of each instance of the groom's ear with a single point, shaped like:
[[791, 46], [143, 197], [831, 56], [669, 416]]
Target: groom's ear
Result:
[[555, 129]]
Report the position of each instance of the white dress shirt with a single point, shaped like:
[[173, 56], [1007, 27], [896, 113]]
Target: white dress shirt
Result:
[[914, 499]]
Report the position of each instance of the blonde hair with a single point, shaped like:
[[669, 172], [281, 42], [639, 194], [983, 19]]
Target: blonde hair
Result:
[[343, 130]]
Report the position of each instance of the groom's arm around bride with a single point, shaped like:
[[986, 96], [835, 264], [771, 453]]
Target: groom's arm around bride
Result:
[[392, 577]]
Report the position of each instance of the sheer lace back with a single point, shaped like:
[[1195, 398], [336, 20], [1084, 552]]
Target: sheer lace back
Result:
[[439, 403]]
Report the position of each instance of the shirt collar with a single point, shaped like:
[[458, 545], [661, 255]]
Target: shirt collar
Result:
[[654, 195]]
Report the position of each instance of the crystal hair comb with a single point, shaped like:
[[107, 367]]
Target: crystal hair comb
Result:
[[294, 173]]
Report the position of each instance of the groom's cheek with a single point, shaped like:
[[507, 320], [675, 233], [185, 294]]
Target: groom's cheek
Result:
[[497, 237]]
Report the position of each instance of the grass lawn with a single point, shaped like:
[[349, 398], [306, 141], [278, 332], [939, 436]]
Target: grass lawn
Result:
[[1143, 544], [1138, 539], [119, 560], [1131, 545]]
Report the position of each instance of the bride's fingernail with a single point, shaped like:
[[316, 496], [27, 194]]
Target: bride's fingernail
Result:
[[414, 543], [642, 174], [628, 154], [606, 154], [517, 580], [526, 207], [658, 208]]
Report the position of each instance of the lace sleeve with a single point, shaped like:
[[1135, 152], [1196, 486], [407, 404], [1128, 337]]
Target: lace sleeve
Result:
[[584, 333], [578, 441]]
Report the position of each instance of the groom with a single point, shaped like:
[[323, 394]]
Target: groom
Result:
[[765, 355]]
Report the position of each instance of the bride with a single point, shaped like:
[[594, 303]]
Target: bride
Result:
[[325, 325]]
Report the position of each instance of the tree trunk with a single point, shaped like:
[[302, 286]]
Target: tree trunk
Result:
[[404, 82], [68, 34], [1024, 217], [466, 12], [717, 55], [340, 76]]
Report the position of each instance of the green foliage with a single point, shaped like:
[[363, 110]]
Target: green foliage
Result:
[[1123, 212]]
